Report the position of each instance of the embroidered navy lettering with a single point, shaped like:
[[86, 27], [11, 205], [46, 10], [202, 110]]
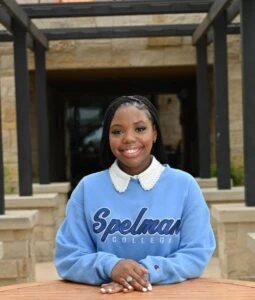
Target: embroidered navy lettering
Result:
[[125, 226], [175, 229], [105, 212], [150, 226], [133, 229], [111, 228], [165, 226]]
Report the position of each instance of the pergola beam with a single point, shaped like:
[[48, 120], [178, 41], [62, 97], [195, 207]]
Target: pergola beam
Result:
[[119, 32], [232, 12], [5, 19], [248, 78], [215, 11], [20, 16], [109, 8]]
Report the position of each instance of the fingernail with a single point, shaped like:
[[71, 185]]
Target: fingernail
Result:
[[125, 290], [130, 287], [149, 287], [102, 290], [110, 290], [144, 289]]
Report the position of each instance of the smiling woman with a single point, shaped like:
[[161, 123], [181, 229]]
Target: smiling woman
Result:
[[139, 222], [131, 137]]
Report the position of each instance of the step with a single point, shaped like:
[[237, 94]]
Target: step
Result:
[[216, 196], [207, 182]]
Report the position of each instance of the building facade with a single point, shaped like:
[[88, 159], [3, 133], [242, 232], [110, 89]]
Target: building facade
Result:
[[83, 76]]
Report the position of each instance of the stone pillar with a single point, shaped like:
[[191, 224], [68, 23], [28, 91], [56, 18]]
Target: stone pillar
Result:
[[45, 230], [17, 236], [215, 196], [234, 222], [62, 189]]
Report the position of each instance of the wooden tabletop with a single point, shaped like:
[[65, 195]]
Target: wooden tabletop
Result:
[[202, 288]]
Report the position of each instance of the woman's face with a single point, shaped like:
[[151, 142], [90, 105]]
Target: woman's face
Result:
[[131, 137]]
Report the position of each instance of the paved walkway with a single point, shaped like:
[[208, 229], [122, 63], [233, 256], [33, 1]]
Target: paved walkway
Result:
[[46, 271]]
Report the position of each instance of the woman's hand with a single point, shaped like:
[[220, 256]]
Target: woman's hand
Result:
[[113, 287], [131, 275]]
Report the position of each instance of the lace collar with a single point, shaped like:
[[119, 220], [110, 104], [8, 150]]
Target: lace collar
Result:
[[147, 178]]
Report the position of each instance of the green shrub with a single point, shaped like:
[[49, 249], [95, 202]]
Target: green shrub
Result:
[[236, 173], [8, 187]]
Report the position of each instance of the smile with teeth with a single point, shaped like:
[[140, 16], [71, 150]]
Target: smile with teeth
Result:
[[131, 152]]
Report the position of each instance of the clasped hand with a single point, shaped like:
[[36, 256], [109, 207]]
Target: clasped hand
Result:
[[127, 276]]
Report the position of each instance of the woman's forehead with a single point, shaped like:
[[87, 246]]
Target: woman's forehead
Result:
[[131, 114]]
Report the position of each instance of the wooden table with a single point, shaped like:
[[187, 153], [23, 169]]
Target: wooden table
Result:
[[202, 288]]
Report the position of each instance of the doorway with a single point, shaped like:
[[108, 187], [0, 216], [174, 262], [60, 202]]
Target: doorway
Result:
[[85, 94]]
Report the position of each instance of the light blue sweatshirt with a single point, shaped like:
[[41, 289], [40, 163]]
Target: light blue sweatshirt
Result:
[[167, 229]]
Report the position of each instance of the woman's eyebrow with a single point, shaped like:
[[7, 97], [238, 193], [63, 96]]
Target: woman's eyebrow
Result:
[[135, 123]]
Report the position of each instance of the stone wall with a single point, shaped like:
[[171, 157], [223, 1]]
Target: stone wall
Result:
[[47, 206], [17, 237], [234, 222]]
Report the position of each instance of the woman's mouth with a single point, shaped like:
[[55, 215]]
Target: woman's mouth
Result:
[[131, 152]]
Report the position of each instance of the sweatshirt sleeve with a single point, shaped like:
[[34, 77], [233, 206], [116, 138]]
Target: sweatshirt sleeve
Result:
[[76, 258], [196, 247]]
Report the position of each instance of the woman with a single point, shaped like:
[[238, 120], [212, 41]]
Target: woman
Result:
[[139, 222]]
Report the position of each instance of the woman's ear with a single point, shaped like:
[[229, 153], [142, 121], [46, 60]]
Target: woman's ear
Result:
[[155, 134]]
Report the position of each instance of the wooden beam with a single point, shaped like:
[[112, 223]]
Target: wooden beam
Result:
[[5, 19], [232, 12], [248, 76], [2, 201], [22, 110], [20, 16], [119, 32], [42, 115], [203, 109], [116, 8], [221, 102], [215, 11]]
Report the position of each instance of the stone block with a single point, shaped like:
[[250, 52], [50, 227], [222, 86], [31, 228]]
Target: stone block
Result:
[[48, 216], [234, 222], [53, 187], [1, 250], [8, 269], [44, 251], [18, 220], [26, 269], [207, 182], [251, 241], [16, 249], [16, 235], [48, 219], [62, 189], [216, 196], [164, 41], [44, 233]]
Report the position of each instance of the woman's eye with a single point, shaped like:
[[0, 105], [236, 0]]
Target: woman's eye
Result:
[[140, 129], [115, 132]]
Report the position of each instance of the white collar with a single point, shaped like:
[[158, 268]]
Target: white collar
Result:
[[147, 178]]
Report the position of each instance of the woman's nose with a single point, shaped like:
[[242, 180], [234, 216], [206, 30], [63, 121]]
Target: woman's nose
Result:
[[128, 137]]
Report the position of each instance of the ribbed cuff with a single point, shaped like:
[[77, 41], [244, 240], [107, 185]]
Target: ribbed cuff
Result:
[[110, 263]]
